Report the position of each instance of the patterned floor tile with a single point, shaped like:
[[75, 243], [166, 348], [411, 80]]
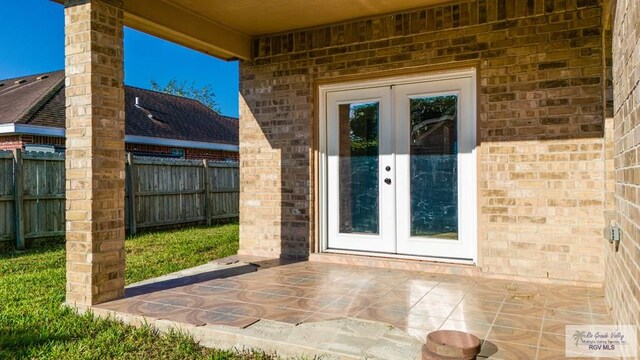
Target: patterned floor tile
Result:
[[526, 298], [514, 336], [176, 299], [287, 315], [571, 293], [392, 304], [226, 319], [551, 354], [384, 316], [371, 292], [213, 291], [518, 322], [478, 329], [555, 326], [566, 305], [433, 308], [155, 310], [485, 295], [492, 349], [477, 316], [417, 285], [515, 317], [263, 298], [552, 341], [342, 309], [433, 298], [563, 315], [223, 306], [494, 285], [254, 310], [478, 304], [522, 309], [306, 304], [420, 322]]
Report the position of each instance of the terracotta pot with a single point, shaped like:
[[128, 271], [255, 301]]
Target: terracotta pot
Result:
[[449, 345]]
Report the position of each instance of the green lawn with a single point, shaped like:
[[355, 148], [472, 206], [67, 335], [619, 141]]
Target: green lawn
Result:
[[33, 324]]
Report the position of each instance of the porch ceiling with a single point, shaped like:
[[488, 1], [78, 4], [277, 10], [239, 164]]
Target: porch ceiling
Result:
[[224, 28]]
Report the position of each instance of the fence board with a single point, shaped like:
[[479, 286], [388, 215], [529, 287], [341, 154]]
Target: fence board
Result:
[[175, 191], [7, 223], [18, 192], [44, 179], [166, 192], [225, 187]]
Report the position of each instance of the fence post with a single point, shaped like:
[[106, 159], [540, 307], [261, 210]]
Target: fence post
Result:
[[207, 192], [133, 191], [18, 193]]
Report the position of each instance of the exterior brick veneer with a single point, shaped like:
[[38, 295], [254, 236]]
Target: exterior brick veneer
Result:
[[95, 151], [11, 142], [189, 153], [622, 279], [541, 155], [19, 141]]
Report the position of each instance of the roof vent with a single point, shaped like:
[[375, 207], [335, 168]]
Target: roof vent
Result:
[[42, 77], [1, 84], [21, 81], [137, 101]]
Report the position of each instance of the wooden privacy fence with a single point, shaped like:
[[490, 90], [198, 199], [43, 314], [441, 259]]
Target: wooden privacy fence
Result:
[[31, 196], [178, 191], [161, 191]]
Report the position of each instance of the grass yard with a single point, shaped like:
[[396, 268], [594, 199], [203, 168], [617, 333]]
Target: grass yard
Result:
[[34, 325]]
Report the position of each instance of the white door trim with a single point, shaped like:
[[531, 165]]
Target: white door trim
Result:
[[384, 241], [323, 91], [463, 246]]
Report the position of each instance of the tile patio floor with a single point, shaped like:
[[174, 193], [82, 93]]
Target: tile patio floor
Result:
[[517, 320]]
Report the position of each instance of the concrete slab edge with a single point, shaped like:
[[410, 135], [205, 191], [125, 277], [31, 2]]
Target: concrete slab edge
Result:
[[218, 336]]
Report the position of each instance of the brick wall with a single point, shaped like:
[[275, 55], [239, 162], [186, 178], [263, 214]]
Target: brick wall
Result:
[[48, 140], [189, 152], [18, 141], [541, 166], [622, 285], [10, 142]]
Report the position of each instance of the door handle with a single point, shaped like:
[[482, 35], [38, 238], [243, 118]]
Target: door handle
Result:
[[387, 180]]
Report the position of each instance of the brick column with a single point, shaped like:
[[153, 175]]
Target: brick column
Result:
[[95, 156]]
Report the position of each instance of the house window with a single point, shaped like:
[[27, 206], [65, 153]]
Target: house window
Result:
[[40, 148], [179, 153]]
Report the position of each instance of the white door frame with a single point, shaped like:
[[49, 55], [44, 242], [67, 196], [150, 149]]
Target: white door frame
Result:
[[470, 194], [384, 240], [463, 246]]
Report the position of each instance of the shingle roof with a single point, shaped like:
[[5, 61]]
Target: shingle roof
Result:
[[20, 97], [42, 103]]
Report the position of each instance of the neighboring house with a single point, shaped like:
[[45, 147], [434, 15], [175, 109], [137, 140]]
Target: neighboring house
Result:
[[32, 117], [544, 158]]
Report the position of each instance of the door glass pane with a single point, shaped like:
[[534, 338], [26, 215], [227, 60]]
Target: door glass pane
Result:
[[358, 167], [434, 180]]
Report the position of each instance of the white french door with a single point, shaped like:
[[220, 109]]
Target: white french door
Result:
[[360, 217], [400, 166]]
